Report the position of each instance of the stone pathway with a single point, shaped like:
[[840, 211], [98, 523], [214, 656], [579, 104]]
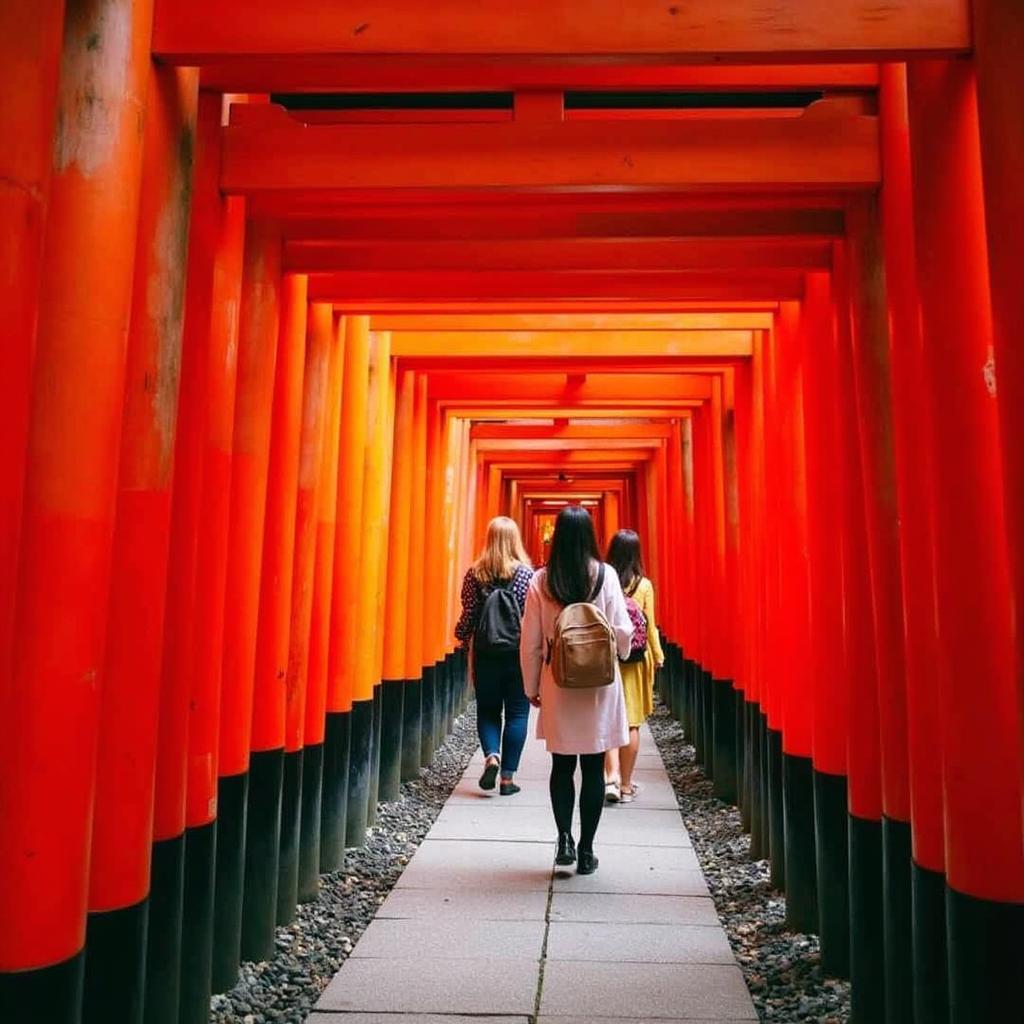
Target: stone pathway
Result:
[[482, 926]]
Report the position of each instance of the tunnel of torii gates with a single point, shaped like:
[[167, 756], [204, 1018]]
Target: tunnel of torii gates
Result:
[[297, 295]]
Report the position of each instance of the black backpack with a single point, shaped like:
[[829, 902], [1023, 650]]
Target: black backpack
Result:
[[500, 623]]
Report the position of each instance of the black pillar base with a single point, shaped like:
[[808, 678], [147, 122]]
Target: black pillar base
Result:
[[288, 851], [833, 860], [232, 806], [771, 795], [51, 994], [707, 688], [428, 691], [334, 807], [685, 710], [930, 968], [115, 966], [801, 868], [444, 724], [197, 924], [163, 943], [697, 702], [896, 920], [986, 959], [867, 941], [309, 822], [758, 812], [723, 755], [373, 792], [392, 712], [358, 775], [412, 737], [262, 846], [739, 734]]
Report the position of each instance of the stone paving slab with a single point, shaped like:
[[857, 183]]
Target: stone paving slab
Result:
[[342, 1017], [451, 864], [638, 943], [473, 904], [453, 939], [614, 908], [636, 869], [545, 1018], [429, 985], [645, 991]]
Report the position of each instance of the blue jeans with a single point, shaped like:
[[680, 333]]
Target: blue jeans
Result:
[[499, 687]]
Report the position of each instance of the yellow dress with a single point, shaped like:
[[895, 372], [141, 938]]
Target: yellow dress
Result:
[[638, 677]]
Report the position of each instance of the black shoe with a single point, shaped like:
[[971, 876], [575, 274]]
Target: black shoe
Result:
[[587, 863], [489, 776], [566, 849], [508, 788]]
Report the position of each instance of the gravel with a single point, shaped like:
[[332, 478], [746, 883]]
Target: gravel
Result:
[[310, 951], [782, 968]]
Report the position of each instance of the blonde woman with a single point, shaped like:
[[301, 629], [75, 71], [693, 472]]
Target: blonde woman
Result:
[[493, 599]]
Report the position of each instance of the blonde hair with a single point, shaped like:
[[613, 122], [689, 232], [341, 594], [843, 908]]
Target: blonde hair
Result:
[[503, 551]]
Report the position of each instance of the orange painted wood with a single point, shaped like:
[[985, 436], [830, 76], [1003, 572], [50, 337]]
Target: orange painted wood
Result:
[[30, 39], [258, 329], [323, 575], [416, 72], [349, 533], [50, 701], [404, 325], [321, 342], [397, 620], [420, 586], [278, 566], [130, 699], [703, 30], [636, 254], [372, 291], [265, 150]]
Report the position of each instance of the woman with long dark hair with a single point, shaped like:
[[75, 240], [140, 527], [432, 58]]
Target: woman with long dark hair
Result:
[[625, 557], [493, 598], [575, 723]]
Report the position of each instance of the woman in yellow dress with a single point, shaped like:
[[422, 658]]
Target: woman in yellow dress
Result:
[[625, 558]]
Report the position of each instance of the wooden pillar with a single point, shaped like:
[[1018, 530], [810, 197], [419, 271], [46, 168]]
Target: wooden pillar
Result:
[[398, 617], [220, 725], [51, 702], [916, 500], [123, 812], [981, 738], [311, 855], [266, 763], [296, 848]]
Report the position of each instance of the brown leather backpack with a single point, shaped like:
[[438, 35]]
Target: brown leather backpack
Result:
[[582, 652]]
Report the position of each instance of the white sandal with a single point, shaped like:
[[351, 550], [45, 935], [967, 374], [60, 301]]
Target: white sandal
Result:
[[612, 793]]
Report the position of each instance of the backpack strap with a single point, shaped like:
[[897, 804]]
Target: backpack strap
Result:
[[599, 584]]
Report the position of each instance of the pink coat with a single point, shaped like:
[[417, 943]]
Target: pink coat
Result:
[[574, 721]]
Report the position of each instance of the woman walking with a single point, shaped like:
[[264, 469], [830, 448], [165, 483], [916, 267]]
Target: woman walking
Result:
[[625, 558], [493, 598], [575, 723]]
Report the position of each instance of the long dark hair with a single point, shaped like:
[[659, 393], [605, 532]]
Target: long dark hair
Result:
[[625, 558], [573, 548]]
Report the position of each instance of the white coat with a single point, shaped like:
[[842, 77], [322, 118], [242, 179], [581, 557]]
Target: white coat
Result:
[[574, 721]]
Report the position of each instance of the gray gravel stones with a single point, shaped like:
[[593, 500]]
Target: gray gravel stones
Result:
[[782, 969], [310, 951]]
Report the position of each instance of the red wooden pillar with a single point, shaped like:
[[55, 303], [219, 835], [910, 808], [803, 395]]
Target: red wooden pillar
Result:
[[220, 723], [122, 828], [51, 699], [420, 588], [867, 962], [397, 615], [982, 783], [916, 500], [824, 519], [798, 682], [347, 727], [315, 727], [30, 41], [296, 849], [260, 909], [998, 43]]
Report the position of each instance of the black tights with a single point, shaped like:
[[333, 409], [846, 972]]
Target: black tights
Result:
[[563, 794]]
